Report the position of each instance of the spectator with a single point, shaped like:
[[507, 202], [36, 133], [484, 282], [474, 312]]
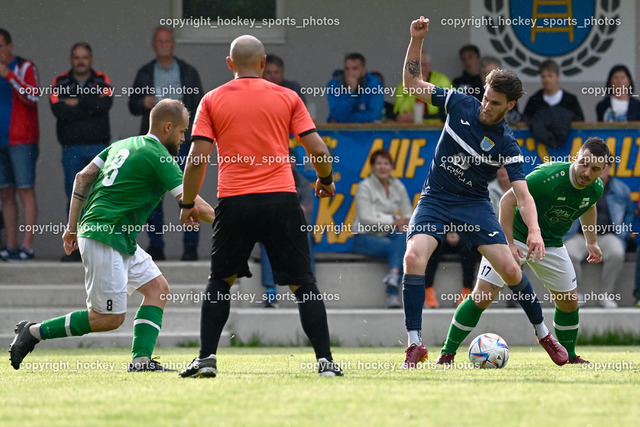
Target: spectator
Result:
[[81, 102], [19, 136], [471, 81], [383, 210], [356, 96], [498, 187], [619, 105], [550, 111], [615, 217], [469, 260], [274, 72], [305, 196], [166, 77], [388, 114], [405, 102], [488, 64]]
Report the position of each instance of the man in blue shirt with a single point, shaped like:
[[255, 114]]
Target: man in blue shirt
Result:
[[475, 142], [355, 96]]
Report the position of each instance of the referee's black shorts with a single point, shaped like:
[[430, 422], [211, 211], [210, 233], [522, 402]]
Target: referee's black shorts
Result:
[[274, 219]]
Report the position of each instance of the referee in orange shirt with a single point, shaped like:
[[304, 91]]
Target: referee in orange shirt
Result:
[[250, 120]]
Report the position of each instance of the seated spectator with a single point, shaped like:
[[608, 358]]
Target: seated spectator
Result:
[[305, 196], [387, 112], [405, 101], [614, 223], [498, 187], [471, 81], [356, 96], [488, 64], [550, 111], [274, 72], [469, 259], [619, 105], [383, 210]]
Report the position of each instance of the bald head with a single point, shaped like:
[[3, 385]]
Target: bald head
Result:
[[169, 120], [246, 51], [168, 110]]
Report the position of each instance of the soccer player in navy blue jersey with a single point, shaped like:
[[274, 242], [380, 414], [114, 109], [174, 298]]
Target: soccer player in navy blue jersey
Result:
[[475, 142]]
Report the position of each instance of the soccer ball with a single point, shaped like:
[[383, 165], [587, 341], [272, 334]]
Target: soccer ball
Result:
[[489, 351]]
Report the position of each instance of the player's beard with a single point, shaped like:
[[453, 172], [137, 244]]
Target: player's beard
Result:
[[490, 121], [173, 149]]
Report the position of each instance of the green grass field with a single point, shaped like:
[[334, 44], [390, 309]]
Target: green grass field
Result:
[[275, 386]]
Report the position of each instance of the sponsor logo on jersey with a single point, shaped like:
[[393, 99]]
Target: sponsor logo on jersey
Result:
[[584, 203], [456, 165], [562, 213], [464, 122], [461, 160]]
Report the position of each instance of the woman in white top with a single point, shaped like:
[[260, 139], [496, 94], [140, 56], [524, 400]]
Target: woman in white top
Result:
[[619, 105], [383, 210]]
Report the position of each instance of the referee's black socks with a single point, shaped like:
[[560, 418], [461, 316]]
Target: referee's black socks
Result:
[[215, 313], [313, 317]]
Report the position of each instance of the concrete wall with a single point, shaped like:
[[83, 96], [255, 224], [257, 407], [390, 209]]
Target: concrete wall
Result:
[[120, 32]]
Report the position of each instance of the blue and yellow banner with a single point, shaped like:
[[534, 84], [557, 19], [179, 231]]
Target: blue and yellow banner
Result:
[[413, 149]]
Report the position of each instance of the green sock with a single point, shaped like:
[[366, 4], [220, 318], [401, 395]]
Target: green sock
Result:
[[464, 320], [73, 324], [566, 328], [146, 327]]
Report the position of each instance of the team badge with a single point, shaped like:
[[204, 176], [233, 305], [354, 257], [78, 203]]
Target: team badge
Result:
[[487, 144]]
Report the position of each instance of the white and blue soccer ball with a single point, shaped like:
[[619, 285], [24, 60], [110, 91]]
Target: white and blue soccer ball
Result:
[[489, 351]]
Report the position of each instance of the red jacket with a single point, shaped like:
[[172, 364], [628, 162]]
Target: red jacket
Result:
[[23, 114]]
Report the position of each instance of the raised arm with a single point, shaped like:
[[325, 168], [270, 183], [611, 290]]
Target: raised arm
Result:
[[412, 72]]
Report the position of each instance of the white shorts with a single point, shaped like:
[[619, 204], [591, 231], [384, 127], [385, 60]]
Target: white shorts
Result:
[[555, 271], [109, 275]]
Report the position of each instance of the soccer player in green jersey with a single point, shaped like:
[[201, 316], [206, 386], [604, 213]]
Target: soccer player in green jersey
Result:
[[129, 179], [563, 192]]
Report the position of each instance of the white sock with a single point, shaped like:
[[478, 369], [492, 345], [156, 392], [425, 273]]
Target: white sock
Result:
[[541, 330], [34, 330], [415, 337]]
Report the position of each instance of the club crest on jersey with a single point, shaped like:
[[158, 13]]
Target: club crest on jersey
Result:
[[487, 144]]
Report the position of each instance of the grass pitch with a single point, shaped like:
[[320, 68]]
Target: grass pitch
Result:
[[280, 386]]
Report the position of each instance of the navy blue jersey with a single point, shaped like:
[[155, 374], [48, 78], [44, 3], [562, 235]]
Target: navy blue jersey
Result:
[[469, 153]]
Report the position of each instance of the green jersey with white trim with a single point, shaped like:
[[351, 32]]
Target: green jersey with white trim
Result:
[[558, 202], [135, 173]]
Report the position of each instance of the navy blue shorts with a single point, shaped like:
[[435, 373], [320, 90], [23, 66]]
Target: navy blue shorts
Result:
[[474, 221]]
